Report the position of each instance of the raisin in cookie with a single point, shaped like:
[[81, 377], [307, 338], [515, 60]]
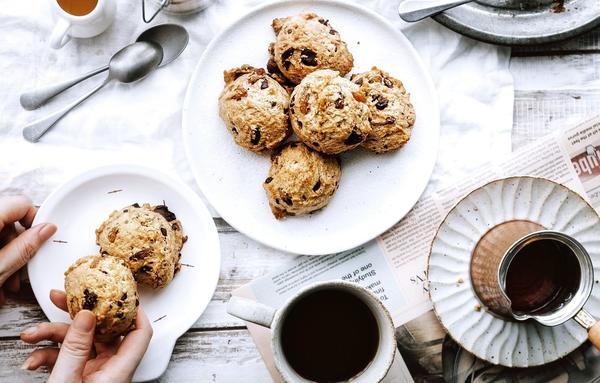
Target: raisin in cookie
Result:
[[392, 114], [148, 238], [254, 108], [328, 113], [105, 286], [306, 43], [300, 180]]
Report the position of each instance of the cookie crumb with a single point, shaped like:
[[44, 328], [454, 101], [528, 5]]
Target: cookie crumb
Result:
[[477, 307], [460, 280]]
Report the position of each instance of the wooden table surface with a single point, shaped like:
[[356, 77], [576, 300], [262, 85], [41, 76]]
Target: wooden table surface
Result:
[[218, 347]]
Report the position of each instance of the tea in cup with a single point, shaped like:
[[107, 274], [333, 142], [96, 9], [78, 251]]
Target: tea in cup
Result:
[[81, 19], [328, 332]]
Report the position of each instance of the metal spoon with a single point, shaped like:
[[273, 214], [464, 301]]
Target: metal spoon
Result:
[[130, 64], [415, 10], [171, 37]]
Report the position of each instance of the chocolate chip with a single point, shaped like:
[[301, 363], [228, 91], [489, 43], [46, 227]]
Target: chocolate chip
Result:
[[323, 21], [145, 269], [277, 201], [299, 124], [124, 296], [125, 210], [141, 255], [390, 120], [120, 315], [332, 31], [104, 272], [293, 145], [136, 205], [89, 300], [285, 110], [339, 103], [234, 130], [387, 83], [285, 57], [137, 302], [381, 104], [174, 226], [119, 303], [264, 84], [112, 235], [289, 31], [359, 81], [316, 144], [164, 211], [317, 186], [353, 138], [268, 180], [163, 231], [308, 57], [273, 104], [288, 200], [255, 137]]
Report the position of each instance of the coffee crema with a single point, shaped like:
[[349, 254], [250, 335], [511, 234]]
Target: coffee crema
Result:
[[329, 336], [77, 7]]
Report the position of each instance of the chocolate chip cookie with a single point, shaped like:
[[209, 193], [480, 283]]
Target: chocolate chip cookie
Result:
[[254, 108], [392, 114], [329, 113], [148, 238], [300, 180], [105, 286], [306, 43]]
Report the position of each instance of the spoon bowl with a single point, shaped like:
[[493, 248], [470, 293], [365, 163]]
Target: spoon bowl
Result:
[[132, 63], [172, 38]]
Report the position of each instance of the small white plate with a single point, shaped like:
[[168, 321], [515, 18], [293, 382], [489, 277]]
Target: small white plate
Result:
[[487, 336], [80, 205], [375, 191]]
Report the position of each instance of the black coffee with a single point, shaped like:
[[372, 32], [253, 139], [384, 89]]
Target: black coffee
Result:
[[542, 276], [329, 336]]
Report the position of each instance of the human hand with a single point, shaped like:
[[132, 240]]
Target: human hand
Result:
[[17, 248], [79, 358]]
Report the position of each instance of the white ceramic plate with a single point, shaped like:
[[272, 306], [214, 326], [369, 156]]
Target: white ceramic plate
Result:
[[79, 206], [512, 344], [375, 191]]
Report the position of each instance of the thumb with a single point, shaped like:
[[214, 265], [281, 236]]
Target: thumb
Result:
[[20, 250], [75, 349]]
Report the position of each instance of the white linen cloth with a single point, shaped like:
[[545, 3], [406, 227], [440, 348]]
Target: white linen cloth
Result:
[[141, 122]]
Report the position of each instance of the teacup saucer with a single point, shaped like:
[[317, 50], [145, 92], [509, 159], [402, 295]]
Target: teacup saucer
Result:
[[486, 335]]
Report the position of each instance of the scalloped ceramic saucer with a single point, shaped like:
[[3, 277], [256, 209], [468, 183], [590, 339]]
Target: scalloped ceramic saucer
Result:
[[486, 335]]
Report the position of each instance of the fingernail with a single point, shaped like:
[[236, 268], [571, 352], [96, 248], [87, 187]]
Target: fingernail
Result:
[[46, 230], [27, 363], [84, 321], [29, 331]]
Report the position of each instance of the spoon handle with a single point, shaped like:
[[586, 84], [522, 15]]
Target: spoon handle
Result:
[[33, 131], [415, 10], [35, 98]]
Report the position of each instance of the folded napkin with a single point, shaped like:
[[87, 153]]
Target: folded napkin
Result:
[[141, 123]]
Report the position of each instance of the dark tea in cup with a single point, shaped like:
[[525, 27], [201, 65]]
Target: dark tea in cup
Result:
[[329, 335]]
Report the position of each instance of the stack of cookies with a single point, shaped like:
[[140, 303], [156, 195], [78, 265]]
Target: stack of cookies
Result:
[[138, 244], [304, 91]]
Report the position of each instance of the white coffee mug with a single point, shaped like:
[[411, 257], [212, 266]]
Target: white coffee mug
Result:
[[89, 25], [266, 316]]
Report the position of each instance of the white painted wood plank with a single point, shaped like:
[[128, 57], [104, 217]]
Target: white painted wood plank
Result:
[[219, 357]]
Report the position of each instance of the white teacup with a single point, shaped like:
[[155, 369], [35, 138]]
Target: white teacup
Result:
[[383, 356], [85, 26]]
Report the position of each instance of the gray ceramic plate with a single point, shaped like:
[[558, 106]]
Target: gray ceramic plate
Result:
[[522, 22]]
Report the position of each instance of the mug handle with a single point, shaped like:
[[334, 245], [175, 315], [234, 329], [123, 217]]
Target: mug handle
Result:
[[251, 311], [587, 321], [60, 36]]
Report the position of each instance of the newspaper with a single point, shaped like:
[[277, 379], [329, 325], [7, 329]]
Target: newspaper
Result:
[[393, 266]]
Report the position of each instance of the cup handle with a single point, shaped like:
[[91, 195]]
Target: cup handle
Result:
[[587, 321], [60, 36], [251, 311]]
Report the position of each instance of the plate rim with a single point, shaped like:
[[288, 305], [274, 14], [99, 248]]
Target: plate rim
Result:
[[350, 243], [187, 194], [461, 199], [449, 20]]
